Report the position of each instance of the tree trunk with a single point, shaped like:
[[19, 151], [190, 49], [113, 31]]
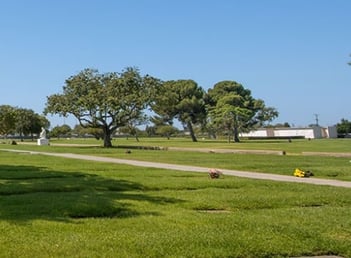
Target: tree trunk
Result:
[[136, 137], [107, 138], [191, 131], [236, 134]]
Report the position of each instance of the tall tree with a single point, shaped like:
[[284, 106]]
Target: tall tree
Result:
[[231, 107], [183, 100], [27, 122], [7, 120], [106, 101], [23, 121]]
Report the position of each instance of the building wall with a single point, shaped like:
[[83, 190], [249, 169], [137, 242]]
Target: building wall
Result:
[[256, 133], [315, 132], [332, 132], [293, 132]]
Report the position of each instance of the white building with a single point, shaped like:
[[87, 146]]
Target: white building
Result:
[[315, 132]]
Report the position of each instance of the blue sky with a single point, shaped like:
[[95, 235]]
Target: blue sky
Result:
[[293, 54]]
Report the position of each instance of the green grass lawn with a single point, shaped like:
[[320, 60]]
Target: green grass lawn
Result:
[[55, 207], [295, 146], [322, 167]]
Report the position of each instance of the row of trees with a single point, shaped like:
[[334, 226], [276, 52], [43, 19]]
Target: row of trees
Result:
[[343, 129], [21, 121], [111, 101]]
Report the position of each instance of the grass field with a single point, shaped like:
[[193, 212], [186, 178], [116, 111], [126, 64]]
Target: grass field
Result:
[[322, 166], [55, 207], [295, 146]]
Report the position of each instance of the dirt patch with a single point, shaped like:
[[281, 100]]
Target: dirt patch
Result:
[[213, 211]]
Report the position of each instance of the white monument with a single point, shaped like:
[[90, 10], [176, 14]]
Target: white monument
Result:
[[43, 140]]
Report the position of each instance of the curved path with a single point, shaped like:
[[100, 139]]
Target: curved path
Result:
[[245, 174]]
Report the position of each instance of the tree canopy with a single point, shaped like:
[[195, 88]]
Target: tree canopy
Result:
[[232, 108], [110, 101], [183, 100], [106, 101], [22, 121], [60, 131], [27, 122], [344, 127], [7, 119]]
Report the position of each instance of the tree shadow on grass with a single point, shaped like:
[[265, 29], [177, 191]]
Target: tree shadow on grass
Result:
[[29, 192]]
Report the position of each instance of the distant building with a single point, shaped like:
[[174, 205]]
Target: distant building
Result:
[[315, 132]]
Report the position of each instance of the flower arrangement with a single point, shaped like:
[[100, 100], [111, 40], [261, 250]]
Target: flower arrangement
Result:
[[214, 173], [300, 173]]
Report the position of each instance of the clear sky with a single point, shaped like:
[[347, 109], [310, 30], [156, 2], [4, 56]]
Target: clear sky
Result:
[[293, 54]]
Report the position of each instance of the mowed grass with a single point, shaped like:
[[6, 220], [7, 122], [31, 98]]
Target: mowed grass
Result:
[[292, 147], [55, 207], [322, 166], [295, 146]]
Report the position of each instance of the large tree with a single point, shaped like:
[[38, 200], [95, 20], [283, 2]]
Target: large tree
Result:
[[24, 118], [106, 101], [182, 100], [22, 121], [232, 108], [7, 120], [27, 122]]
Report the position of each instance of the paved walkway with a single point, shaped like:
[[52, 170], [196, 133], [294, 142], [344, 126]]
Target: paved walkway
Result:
[[245, 174]]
